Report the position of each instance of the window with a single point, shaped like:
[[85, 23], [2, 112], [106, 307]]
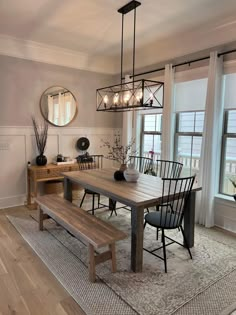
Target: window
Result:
[[151, 135], [228, 169], [189, 128]]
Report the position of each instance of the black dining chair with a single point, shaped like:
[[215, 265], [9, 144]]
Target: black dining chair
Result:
[[142, 164], [170, 214], [93, 162], [168, 169]]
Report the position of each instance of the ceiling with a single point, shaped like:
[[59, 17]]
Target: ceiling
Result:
[[166, 29]]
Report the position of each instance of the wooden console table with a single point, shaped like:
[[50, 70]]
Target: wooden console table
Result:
[[37, 174]]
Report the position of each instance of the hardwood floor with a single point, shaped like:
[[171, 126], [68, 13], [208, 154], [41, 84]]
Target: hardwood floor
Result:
[[26, 285]]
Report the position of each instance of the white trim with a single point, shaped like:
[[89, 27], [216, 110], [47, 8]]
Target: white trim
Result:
[[225, 200], [12, 201], [62, 140], [30, 50]]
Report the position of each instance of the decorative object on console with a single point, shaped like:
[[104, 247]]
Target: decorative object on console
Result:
[[131, 174], [82, 144], [60, 158], [133, 95], [41, 134]]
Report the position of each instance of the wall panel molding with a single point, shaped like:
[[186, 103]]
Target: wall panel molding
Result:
[[16, 154]]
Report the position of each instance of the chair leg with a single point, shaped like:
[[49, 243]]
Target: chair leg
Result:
[[98, 200], [113, 205], [82, 199], [147, 210], [157, 233], [186, 242], [93, 204], [144, 224], [164, 250]]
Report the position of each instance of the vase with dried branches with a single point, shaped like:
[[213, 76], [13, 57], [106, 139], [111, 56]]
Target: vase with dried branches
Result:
[[41, 134], [119, 153]]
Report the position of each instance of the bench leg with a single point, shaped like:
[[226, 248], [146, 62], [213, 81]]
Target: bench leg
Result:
[[113, 257], [92, 274], [41, 217]]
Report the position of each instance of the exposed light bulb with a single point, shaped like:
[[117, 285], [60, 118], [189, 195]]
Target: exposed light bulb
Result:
[[140, 97], [151, 98], [116, 99], [105, 100], [127, 98]]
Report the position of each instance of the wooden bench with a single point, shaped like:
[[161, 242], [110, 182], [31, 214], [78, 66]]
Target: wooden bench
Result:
[[96, 232]]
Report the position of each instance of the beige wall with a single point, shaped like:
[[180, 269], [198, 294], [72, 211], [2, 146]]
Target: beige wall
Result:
[[22, 82]]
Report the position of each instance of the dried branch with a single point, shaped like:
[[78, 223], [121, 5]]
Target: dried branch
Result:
[[118, 152], [41, 134]]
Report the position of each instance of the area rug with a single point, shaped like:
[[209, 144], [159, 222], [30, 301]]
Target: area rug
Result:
[[124, 292]]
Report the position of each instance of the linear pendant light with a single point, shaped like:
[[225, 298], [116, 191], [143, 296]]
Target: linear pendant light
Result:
[[133, 95]]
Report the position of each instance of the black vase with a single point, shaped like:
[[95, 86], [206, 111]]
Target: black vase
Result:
[[41, 160], [119, 175]]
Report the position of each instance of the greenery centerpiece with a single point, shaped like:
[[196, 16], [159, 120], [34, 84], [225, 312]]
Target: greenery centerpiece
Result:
[[41, 134]]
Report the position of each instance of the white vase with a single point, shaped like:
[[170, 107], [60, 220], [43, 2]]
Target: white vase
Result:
[[131, 174]]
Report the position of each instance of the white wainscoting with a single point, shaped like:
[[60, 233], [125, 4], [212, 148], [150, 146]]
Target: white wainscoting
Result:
[[17, 147], [225, 213]]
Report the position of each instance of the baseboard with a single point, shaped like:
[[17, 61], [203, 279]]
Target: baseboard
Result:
[[12, 201]]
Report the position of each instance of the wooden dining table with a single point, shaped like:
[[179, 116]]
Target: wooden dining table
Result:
[[144, 193]]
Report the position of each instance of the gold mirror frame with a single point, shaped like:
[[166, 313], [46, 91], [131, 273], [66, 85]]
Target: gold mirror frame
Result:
[[64, 102]]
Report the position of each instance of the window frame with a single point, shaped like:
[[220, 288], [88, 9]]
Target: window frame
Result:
[[153, 133], [186, 133], [225, 135]]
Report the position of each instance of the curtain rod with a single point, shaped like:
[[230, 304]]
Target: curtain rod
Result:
[[182, 63]]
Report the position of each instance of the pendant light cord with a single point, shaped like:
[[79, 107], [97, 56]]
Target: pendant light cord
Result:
[[121, 55], [134, 42]]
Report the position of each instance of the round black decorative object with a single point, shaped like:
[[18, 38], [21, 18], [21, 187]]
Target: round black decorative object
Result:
[[82, 144], [41, 160], [118, 175]]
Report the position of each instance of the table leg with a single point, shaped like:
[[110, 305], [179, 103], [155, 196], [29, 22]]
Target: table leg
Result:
[[137, 239], [67, 189], [189, 219]]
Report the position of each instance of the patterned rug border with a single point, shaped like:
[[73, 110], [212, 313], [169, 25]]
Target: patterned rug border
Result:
[[203, 290]]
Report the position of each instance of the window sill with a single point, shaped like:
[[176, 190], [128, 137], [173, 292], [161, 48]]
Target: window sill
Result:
[[225, 200]]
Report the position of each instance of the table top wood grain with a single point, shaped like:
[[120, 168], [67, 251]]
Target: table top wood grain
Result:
[[146, 192]]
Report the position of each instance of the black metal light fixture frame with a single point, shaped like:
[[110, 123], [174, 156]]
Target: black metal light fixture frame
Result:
[[133, 95]]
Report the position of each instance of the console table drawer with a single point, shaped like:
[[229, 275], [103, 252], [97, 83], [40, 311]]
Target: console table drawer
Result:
[[52, 171]]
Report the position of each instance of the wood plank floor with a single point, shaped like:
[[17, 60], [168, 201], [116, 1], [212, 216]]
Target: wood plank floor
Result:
[[26, 285]]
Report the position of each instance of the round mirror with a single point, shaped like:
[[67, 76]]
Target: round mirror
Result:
[[58, 106]]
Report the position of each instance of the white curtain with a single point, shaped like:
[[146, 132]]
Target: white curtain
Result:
[[61, 114], [50, 108], [168, 121], [211, 143]]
